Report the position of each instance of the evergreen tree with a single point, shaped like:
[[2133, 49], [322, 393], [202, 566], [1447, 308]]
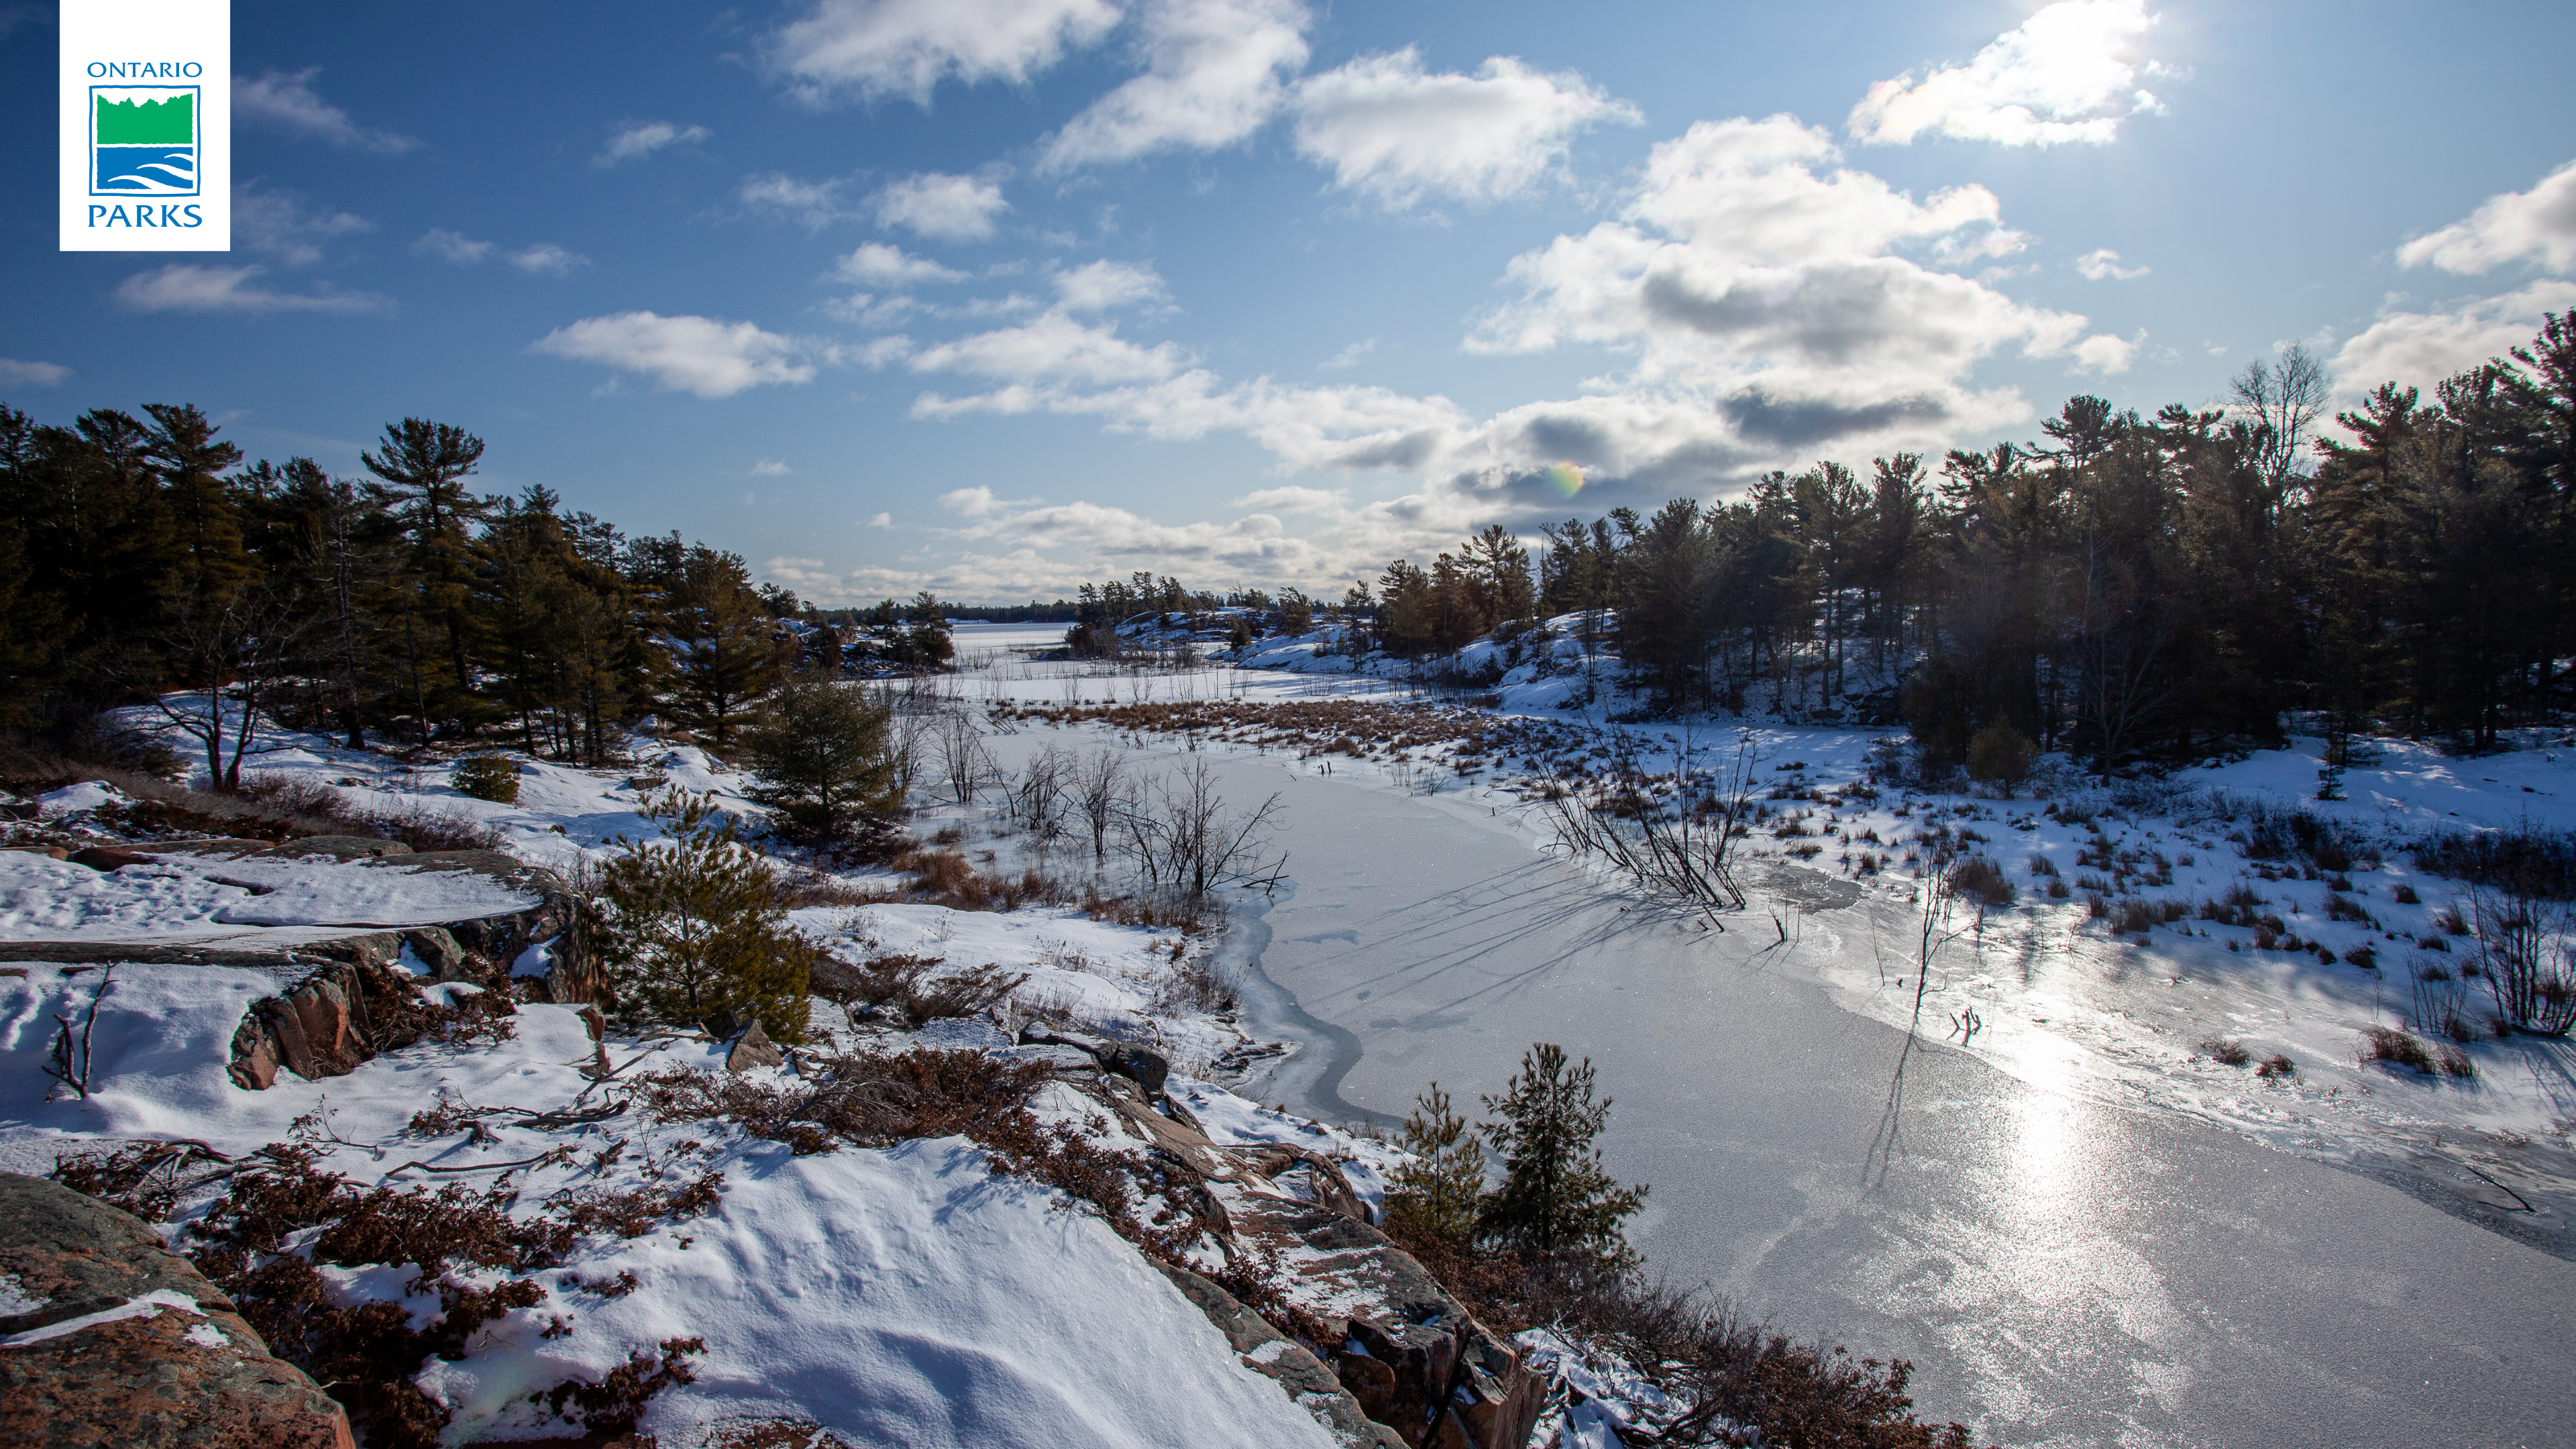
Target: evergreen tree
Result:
[[1439, 1192], [824, 759], [694, 931], [1555, 1199], [725, 647]]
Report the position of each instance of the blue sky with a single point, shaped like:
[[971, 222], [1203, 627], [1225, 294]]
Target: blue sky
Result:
[[992, 296]]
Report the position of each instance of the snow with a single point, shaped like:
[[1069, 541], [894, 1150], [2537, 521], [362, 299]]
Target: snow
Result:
[[159, 1300], [181, 894], [903, 1296], [87, 795]]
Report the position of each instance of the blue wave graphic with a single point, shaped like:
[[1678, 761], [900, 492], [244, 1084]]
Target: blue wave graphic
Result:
[[147, 170]]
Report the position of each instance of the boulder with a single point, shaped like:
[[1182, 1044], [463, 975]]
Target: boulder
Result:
[[340, 847], [1145, 1067], [108, 857], [753, 1049], [119, 1341]]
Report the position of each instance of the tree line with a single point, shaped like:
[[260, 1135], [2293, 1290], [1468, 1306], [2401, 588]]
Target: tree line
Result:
[[139, 556], [2126, 587]]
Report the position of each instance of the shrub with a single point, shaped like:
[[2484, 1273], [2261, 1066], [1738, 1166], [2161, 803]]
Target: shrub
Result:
[[2528, 860], [2226, 1051], [488, 777], [2404, 895], [2388, 1044], [1999, 755], [1981, 880], [694, 929], [2133, 915], [2276, 1066], [908, 985], [2345, 908]]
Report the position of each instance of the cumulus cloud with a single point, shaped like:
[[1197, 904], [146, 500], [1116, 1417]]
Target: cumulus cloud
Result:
[[875, 264], [283, 225], [1392, 131], [1747, 258], [941, 206], [2062, 76], [19, 373], [2420, 348], [185, 287], [684, 354], [877, 520], [2538, 223], [1105, 285], [816, 204], [770, 468], [878, 48], [1215, 70], [1052, 349], [636, 140], [2103, 264], [286, 99], [2105, 354], [1760, 302], [545, 259]]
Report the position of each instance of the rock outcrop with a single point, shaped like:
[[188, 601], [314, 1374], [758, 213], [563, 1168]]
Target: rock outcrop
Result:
[[1404, 1350], [106, 1337]]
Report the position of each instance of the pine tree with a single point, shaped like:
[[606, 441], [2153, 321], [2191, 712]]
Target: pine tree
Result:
[[724, 652], [1556, 1198], [695, 932], [1438, 1193], [824, 760]]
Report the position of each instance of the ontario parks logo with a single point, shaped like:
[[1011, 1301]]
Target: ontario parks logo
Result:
[[144, 140]]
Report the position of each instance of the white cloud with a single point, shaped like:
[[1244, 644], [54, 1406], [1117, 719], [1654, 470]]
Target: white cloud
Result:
[[280, 224], [1291, 500], [33, 374], [2418, 349], [1214, 72], [976, 502], [545, 259], [1390, 130], [879, 520], [2106, 354], [182, 287], [2064, 75], [1053, 349], [815, 203], [636, 140], [2103, 263], [1349, 356], [770, 468], [452, 247], [876, 264], [879, 48], [941, 206], [1104, 285], [2541, 222], [1745, 268], [287, 99], [693, 354]]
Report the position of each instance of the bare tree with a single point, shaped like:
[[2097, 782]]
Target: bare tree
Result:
[[1038, 795], [239, 650], [1185, 841], [2283, 400], [965, 766], [1100, 796], [1682, 848]]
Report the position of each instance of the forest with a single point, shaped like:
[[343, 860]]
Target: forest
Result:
[[2129, 588], [138, 556]]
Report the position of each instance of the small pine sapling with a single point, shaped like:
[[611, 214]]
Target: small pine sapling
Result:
[[1438, 1193], [694, 928], [1556, 1199]]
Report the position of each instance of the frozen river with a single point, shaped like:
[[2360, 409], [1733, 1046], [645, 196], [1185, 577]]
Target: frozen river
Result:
[[2059, 1271]]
